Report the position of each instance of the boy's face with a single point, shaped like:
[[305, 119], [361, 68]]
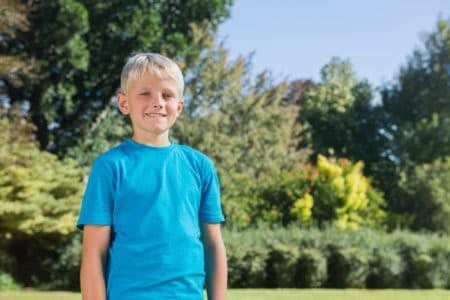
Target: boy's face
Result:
[[153, 105]]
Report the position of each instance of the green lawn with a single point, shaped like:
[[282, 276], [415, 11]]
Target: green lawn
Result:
[[275, 294]]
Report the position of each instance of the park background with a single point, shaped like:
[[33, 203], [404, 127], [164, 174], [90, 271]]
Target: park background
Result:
[[329, 180]]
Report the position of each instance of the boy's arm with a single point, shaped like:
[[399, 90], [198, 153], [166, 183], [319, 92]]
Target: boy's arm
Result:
[[215, 261], [94, 252]]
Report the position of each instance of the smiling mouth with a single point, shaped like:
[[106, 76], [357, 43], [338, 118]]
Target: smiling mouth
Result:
[[154, 115]]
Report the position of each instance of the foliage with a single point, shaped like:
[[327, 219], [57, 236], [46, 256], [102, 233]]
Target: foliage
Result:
[[339, 116], [244, 124], [427, 196], [109, 129], [385, 268], [294, 257], [348, 268], [39, 200], [417, 110], [247, 261], [300, 256], [7, 283], [65, 271], [343, 195], [282, 265], [332, 192], [311, 269], [417, 104], [13, 19], [79, 48], [38, 193]]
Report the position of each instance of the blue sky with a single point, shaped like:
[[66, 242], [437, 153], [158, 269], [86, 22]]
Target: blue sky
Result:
[[296, 38]]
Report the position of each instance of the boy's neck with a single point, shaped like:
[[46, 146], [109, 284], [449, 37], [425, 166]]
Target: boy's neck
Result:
[[155, 141]]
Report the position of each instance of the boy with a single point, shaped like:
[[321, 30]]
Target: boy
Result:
[[151, 210]]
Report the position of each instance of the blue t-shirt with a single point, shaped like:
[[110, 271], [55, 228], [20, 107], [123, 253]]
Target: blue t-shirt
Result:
[[154, 199]]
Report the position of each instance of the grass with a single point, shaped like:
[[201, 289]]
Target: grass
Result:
[[272, 294]]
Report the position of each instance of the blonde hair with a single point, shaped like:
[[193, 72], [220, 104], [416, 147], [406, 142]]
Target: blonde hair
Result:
[[153, 63]]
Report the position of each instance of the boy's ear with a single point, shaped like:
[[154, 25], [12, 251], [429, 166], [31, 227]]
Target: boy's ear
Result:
[[180, 106], [122, 103]]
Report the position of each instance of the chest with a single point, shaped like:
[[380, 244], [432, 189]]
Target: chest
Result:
[[155, 195]]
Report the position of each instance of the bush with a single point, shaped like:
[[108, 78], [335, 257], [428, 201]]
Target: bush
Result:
[[422, 269], [385, 269], [39, 202], [347, 268], [65, 271], [293, 257], [246, 260], [7, 283], [440, 252], [311, 271], [426, 191], [282, 265]]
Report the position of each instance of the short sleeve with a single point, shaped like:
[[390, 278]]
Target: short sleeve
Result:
[[210, 208], [97, 204]]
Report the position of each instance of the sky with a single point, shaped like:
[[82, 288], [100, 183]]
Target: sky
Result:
[[294, 39]]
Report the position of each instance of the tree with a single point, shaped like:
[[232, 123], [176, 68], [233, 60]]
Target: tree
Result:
[[417, 109], [39, 200], [13, 19], [339, 116], [243, 123], [418, 103], [428, 191], [80, 47]]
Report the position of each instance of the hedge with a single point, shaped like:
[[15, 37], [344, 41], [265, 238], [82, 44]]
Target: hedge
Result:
[[299, 258], [332, 258]]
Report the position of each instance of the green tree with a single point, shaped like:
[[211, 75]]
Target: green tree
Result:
[[339, 116], [427, 190], [13, 19], [417, 109], [80, 46], [242, 122], [418, 103], [39, 200]]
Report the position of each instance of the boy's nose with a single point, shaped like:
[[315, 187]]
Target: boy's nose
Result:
[[156, 101]]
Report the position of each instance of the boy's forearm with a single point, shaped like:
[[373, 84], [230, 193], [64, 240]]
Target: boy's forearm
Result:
[[92, 281], [94, 253], [216, 272]]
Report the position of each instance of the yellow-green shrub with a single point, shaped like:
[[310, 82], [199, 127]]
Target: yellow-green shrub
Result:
[[339, 193]]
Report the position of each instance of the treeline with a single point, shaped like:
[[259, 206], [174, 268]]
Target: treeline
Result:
[[336, 153]]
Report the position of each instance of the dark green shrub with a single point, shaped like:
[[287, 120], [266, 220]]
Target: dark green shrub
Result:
[[66, 270], [426, 190], [247, 258], [282, 265], [441, 256], [347, 268], [246, 267], [385, 269], [273, 257], [311, 270], [421, 269]]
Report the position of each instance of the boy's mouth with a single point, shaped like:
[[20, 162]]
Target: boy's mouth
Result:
[[154, 115]]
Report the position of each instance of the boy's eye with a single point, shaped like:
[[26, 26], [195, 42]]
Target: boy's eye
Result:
[[167, 96]]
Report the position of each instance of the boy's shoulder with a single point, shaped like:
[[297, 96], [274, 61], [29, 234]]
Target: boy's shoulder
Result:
[[113, 154], [193, 153]]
